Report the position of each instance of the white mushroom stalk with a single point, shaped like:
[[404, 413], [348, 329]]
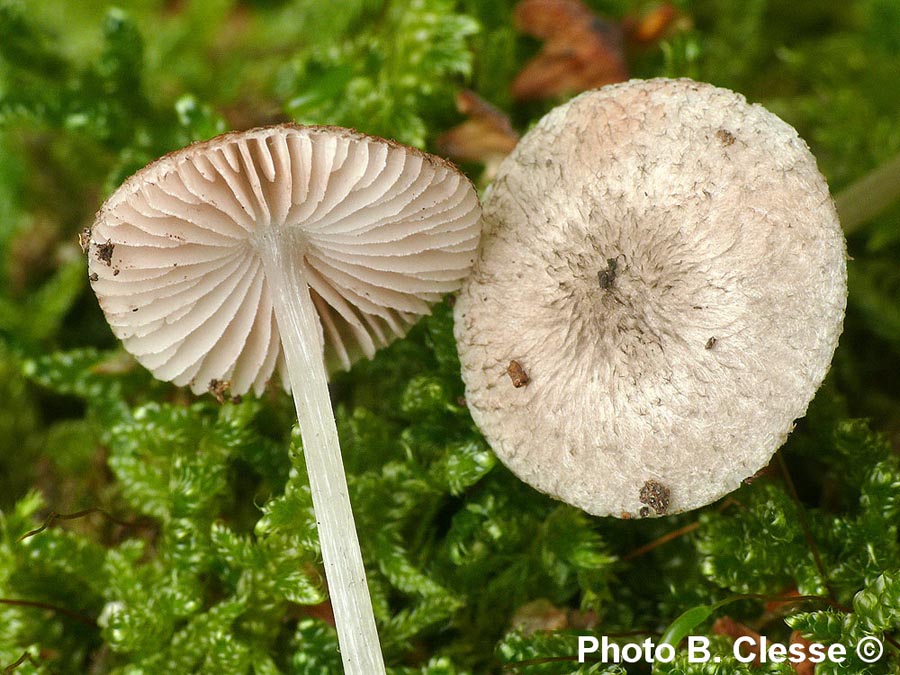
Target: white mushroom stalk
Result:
[[660, 289], [279, 250]]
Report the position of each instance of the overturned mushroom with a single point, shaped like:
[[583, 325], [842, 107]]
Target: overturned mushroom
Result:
[[627, 228], [253, 253]]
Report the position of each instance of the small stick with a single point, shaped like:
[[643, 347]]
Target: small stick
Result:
[[26, 656], [81, 618], [674, 534], [669, 536], [55, 515], [807, 533]]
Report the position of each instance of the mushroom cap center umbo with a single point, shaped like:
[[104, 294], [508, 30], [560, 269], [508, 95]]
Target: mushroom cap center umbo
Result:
[[664, 262]]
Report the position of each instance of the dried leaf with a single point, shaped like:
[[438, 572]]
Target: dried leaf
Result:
[[804, 667], [539, 615], [651, 27], [486, 136], [581, 50], [731, 628]]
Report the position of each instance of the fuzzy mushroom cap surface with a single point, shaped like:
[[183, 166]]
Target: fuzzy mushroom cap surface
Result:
[[383, 231], [663, 263]]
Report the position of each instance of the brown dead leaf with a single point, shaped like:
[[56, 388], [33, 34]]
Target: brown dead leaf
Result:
[[539, 615], [486, 136], [582, 50], [804, 667], [652, 26], [786, 599], [731, 628]]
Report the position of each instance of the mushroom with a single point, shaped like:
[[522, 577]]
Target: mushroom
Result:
[[258, 252], [665, 262]]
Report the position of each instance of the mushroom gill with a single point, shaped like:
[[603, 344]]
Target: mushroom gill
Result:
[[383, 232]]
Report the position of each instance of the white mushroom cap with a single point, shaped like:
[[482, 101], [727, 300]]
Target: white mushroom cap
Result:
[[385, 231], [659, 293]]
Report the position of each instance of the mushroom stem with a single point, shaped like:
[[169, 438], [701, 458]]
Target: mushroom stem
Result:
[[301, 340], [869, 196]]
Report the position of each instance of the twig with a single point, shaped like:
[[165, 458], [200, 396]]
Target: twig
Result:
[[804, 523], [791, 599], [891, 640], [55, 515], [674, 534], [81, 618], [515, 665], [22, 659]]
